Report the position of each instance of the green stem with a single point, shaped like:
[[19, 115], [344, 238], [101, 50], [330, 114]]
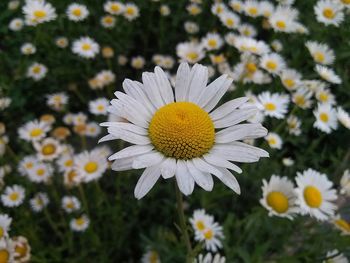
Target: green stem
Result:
[[83, 197], [183, 226]]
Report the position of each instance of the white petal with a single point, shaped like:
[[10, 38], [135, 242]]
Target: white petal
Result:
[[184, 179], [199, 79], [147, 180], [182, 82], [122, 164], [240, 132], [108, 137], [227, 108], [229, 180], [168, 168], [131, 151], [220, 161], [205, 167], [126, 126], [147, 160], [204, 180], [164, 85], [129, 136], [134, 104], [235, 117], [151, 89]]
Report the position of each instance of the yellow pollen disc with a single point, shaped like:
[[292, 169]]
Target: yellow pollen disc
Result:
[[76, 12], [108, 19], [251, 67], [100, 107], [14, 196], [324, 117], [91, 167], [86, 46], [29, 165], [40, 172], [277, 201], [212, 43], [115, 7], [182, 130], [323, 97], [236, 7], [341, 223], [289, 83], [48, 149], [2, 232], [230, 22], [71, 175], [130, 11], [192, 55], [271, 65], [312, 196], [272, 141], [346, 2], [319, 57], [270, 106], [39, 13], [68, 163], [253, 11], [70, 205], [21, 250], [200, 225], [36, 132], [153, 258], [281, 24], [328, 13], [4, 256], [208, 234], [299, 100], [80, 221], [36, 69]]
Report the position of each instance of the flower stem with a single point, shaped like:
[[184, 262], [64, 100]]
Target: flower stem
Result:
[[183, 226]]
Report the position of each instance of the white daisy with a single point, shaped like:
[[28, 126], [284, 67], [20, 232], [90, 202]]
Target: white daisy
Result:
[[48, 149], [328, 74], [341, 224], [22, 249], [37, 12], [85, 47], [247, 44], [211, 236], [28, 49], [108, 21], [114, 7], [70, 204], [290, 78], [175, 133], [92, 129], [252, 8], [5, 222], [61, 42], [77, 12], [37, 71], [315, 194], [230, 19], [191, 27], [273, 105], [324, 95], [329, 12], [33, 130], [200, 220], [302, 98], [218, 8], [279, 197], [326, 118], [190, 52], [13, 196], [80, 224], [283, 19], [247, 30], [151, 256], [273, 63], [16, 24], [99, 106], [138, 62], [57, 101], [65, 162], [131, 11], [294, 123], [274, 140], [39, 202], [212, 41], [236, 5], [209, 258], [343, 117], [321, 53], [41, 173]]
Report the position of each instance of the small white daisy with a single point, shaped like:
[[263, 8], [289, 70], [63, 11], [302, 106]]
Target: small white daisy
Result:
[[13, 196], [48, 149], [329, 12], [212, 41], [85, 47], [99, 106], [80, 224], [39, 202], [131, 11], [321, 53], [37, 12], [343, 117], [28, 49], [272, 63], [273, 105], [326, 118], [294, 123], [190, 52], [37, 71], [77, 12], [328, 74], [33, 130], [70, 204], [5, 222], [114, 7], [41, 173], [274, 140]]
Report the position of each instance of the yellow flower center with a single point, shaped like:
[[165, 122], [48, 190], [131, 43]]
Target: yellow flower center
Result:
[[80, 221], [14, 196], [230, 22], [271, 65], [70, 205], [48, 149], [341, 223], [76, 12], [253, 11], [192, 55], [68, 163], [346, 2], [40, 172], [4, 256], [115, 7], [153, 258], [251, 67], [312, 196], [281, 24], [323, 97], [319, 57], [21, 250], [328, 13], [108, 19], [272, 141], [270, 106], [39, 14], [86, 46], [36, 132], [277, 201], [200, 225], [130, 11], [324, 117], [100, 108], [36, 69], [29, 165], [299, 100], [182, 130], [91, 167], [2, 232], [289, 83], [208, 234], [212, 43]]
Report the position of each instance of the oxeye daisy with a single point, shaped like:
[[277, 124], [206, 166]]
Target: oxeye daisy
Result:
[[229, 19], [247, 30], [80, 224], [174, 134], [33, 130], [48, 149], [326, 118], [28, 49], [218, 8], [200, 220], [7, 251], [41, 173], [341, 224], [131, 11], [294, 123], [344, 3], [85, 47], [37, 12], [236, 5], [212, 41], [302, 98], [211, 236], [266, 8], [5, 222], [13, 196], [290, 78], [273, 105], [164, 10], [108, 21], [328, 74], [26, 164], [16, 24], [194, 9], [315, 194], [77, 12], [279, 197], [151, 256], [191, 27], [114, 7], [65, 162], [329, 12], [138, 62], [190, 52], [57, 101], [321, 53], [21, 248], [39, 202], [70, 204], [61, 42], [252, 8], [99, 106], [343, 117], [272, 63], [274, 140], [37, 71], [324, 95], [92, 129]]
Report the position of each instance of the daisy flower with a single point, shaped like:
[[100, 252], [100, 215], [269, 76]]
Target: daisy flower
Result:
[[41, 173], [212, 41], [191, 27], [328, 74], [28, 49], [341, 224], [190, 52], [294, 123], [251, 8], [273, 105], [61, 42], [22, 249], [209, 258], [90, 165], [324, 95], [92, 129], [7, 251], [39, 202], [279, 197], [211, 236], [65, 162], [33, 130], [138, 62], [321, 53], [230, 20], [344, 3], [85, 47], [326, 118], [302, 98], [276, 45], [194, 9], [266, 8], [164, 10], [131, 11], [114, 7], [175, 134], [26, 164], [151, 256], [218, 8], [5, 222], [272, 63], [57, 101], [283, 19], [236, 5], [16, 24], [108, 21], [343, 117], [315, 194], [37, 12], [200, 220], [80, 224], [77, 12], [48, 149], [274, 140], [247, 30], [288, 161], [13, 196], [290, 79], [334, 256], [70, 204], [99, 106], [329, 12], [37, 71], [247, 44]]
